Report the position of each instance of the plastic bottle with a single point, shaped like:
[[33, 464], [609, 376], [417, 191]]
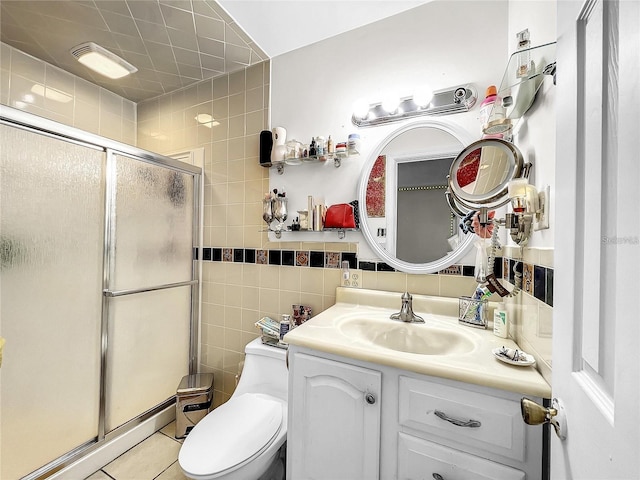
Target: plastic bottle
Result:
[[501, 322], [491, 107], [330, 149], [285, 325]]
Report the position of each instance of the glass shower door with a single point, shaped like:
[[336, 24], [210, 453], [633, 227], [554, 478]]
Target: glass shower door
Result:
[[51, 249], [149, 291]]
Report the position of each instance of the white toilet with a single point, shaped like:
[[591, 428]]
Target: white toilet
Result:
[[242, 439]]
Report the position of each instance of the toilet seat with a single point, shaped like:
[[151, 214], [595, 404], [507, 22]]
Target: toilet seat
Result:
[[231, 435]]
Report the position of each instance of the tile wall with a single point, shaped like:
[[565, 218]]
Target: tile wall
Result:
[[42, 89], [531, 312]]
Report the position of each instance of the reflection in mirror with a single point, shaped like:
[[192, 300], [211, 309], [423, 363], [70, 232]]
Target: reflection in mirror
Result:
[[420, 208], [482, 170], [406, 218], [480, 174]]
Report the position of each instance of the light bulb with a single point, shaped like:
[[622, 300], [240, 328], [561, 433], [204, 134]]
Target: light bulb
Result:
[[360, 108], [390, 103], [422, 96]]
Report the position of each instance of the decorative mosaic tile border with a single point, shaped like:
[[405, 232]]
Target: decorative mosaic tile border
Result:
[[537, 280]]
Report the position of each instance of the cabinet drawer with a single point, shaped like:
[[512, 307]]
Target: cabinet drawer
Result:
[[465, 418], [422, 460]]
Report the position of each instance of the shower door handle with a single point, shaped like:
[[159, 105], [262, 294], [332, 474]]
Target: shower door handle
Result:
[[120, 293]]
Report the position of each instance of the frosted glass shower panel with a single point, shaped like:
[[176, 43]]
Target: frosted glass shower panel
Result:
[[148, 351], [152, 221], [51, 248]]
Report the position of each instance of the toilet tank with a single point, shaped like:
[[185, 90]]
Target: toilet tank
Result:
[[265, 371]]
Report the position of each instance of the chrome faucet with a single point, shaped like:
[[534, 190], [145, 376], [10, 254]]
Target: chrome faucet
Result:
[[406, 311]]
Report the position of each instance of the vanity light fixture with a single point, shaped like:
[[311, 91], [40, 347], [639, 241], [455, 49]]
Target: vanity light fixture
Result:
[[206, 120], [101, 60], [442, 102]]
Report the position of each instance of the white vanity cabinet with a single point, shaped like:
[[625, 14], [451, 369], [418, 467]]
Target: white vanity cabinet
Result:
[[335, 415], [416, 426]]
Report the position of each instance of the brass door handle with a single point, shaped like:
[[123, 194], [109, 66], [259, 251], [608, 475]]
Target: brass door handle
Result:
[[535, 414]]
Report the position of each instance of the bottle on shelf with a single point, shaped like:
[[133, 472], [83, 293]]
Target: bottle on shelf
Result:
[[330, 149], [491, 110], [524, 58]]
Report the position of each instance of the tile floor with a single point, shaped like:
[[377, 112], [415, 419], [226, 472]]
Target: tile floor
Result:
[[155, 458]]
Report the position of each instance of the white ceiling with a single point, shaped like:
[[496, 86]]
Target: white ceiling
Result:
[[175, 43], [280, 26]]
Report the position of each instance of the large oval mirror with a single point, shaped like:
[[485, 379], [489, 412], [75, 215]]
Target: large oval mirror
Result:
[[404, 214]]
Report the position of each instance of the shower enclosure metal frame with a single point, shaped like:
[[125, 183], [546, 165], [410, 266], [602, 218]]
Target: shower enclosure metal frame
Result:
[[26, 121]]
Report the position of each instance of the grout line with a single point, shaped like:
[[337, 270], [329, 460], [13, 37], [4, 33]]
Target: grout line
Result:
[[107, 474], [171, 465]]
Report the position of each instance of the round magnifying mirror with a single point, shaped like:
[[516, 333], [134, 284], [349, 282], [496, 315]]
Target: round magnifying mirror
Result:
[[404, 215], [481, 173]]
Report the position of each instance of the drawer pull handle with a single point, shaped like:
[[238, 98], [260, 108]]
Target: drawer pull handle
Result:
[[455, 421], [437, 476], [370, 398]]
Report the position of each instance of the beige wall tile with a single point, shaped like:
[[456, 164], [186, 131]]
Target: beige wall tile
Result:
[[235, 215], [546, 257], [233, 295], [370, 280], [269, 276], [248, 324], [312, 280], [269, 302], [392, 281], [287, 298], [235, 235], [251, 275], [423, 284], [290, 278], [455, 285], [332, 280]]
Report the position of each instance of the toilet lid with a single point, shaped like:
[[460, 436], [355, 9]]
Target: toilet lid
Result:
[[231, 434]]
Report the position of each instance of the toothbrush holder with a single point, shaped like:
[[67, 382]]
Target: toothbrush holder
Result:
[[473, 312]]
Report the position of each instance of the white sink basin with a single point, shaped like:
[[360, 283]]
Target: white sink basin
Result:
[[417, 338]]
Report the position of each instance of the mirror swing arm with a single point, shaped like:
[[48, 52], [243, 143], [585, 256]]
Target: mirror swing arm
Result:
[[489, 174]]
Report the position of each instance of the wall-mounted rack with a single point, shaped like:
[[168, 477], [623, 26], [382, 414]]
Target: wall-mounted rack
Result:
[[520, 83]]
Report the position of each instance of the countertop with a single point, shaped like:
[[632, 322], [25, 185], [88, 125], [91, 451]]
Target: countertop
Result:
[[478, 366]]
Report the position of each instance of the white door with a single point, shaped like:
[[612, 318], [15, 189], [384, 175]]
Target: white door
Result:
[[596, 365]]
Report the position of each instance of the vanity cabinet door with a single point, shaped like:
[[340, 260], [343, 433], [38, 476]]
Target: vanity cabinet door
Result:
[[421, 459], [334, 420]]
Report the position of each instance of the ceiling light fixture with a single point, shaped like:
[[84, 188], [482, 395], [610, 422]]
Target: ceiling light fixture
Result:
[[102, 60]]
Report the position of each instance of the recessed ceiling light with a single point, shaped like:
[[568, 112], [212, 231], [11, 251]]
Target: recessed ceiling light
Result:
[[102, 60]]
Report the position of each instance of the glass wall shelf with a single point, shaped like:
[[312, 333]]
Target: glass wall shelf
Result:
[[520, 83], [318, 235], [335, 157]]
